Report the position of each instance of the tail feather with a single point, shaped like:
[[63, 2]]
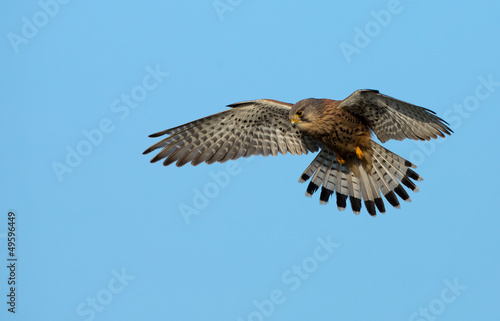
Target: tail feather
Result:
[[360, 183], [342, 185], [366, 190], [371, 191], [326, 188], [313, 167], [321, 173], [379, 203], [387, 184], [402, 166], [355, 193]]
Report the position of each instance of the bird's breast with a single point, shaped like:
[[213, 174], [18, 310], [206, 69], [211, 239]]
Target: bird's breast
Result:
[[343, 133]]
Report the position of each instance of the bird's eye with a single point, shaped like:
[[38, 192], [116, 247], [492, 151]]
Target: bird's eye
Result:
[[300, 113]]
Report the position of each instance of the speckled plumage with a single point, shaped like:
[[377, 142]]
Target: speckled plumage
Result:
[[350, 164]]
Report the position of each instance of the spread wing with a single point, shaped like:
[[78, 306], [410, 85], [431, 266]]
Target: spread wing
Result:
[[390, 118], [257, 127]]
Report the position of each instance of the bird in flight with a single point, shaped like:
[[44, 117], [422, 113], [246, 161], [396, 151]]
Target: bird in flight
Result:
[[350, 163]]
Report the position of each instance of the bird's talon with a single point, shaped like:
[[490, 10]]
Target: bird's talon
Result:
[[359, 153], [340, 159]]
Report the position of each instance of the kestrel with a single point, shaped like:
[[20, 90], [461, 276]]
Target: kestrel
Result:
[[350, 164]]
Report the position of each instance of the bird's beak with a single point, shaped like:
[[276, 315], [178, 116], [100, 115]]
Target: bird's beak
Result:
[[294, 121]]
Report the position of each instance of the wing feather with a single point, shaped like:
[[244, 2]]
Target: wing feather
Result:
[[390, 118], [257, 127]]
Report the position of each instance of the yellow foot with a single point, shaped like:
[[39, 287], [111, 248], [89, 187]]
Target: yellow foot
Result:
[[340, 159], [359, 153]]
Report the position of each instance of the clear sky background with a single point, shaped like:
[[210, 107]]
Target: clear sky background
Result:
[[101, 233]]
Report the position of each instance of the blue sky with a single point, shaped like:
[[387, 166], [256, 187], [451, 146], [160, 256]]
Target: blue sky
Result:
[[100, 231]]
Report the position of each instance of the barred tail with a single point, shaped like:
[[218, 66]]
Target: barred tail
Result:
[[359, 183]]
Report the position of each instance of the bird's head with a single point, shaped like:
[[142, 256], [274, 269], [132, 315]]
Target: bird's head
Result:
[[305, 113]]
